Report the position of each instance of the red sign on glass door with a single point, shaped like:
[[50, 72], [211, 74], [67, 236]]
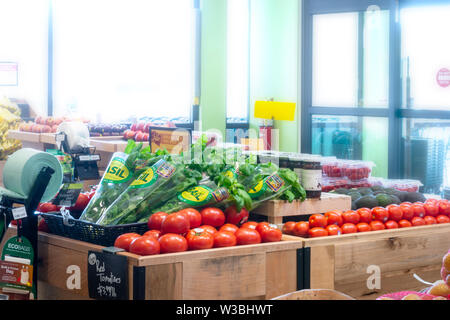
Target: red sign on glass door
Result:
[[443, 78]]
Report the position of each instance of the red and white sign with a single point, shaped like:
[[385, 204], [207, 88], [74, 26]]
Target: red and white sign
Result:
[[443, 78]]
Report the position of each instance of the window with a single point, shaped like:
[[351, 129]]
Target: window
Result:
[[237, 61], [375, 89], [23, 53], [118, 58]]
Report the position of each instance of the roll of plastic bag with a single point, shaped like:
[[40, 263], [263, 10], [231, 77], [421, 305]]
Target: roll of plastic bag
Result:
[[21, 170], [77, 134]]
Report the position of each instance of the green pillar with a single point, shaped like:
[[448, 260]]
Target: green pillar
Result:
[[213, 65]]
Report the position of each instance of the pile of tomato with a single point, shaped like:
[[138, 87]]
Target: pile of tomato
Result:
[[394, 216], [190, 229]]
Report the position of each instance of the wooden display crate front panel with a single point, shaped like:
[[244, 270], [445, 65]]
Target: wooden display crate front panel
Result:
[[260, 271], [275, 210], [344, 263]]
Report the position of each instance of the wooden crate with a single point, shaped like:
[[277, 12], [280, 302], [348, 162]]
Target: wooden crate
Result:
[[344, 263], [275, 210], [262, 271]]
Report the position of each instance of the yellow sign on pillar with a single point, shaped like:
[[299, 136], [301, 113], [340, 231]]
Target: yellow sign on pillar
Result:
[[275, 110]]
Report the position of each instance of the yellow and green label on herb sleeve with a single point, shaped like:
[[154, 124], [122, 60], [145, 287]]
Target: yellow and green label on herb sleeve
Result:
[[145, 179], [196, 196], [274, 183], [117, 171]]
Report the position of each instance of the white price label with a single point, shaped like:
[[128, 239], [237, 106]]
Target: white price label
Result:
[[59, 138], [19, 213]]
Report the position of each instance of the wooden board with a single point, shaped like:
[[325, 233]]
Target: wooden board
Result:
[[2, 164], [350, 263], [275, 210], [24, 136]]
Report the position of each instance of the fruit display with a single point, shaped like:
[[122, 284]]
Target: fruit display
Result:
[[106, 129], [370, 197], [393, 216], [439, 290], [9, 120], [139, 131], [190, 229], [350, 169], [138, 184], [47, 124]]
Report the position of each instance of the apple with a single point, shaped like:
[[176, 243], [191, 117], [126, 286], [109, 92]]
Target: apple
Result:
[[46, 129], [133, 127], [146, 127], [139, 136], [140, 126], [146, 137], [129, 134]]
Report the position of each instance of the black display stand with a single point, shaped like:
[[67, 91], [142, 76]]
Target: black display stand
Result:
[[29, 225]]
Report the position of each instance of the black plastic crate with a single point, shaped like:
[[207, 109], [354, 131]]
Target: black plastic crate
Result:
[[89, 232]]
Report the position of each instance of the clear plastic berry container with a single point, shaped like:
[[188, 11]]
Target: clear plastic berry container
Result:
[[358, 170], [403, 184]]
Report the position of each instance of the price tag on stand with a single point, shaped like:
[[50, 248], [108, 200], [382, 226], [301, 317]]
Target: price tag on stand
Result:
[[19, 213], [68, 194], [107, 276]]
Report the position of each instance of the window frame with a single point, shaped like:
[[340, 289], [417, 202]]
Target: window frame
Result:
[[394, 113]]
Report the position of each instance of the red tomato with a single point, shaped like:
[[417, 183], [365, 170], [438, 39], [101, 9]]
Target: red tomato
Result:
[[213, 217], [175, 223], [395, 213], [153, 233], [317, 232], [209, 229], [430, 220], [250, 225], [301, 228], [407, 211], [349, 228], [47, 207], [262, 226], [380, 214], [363, 227], [418, 209], [42, 226], [171, 242], [404, 223], [14, 222], [333, 230], [224, 239], [229, 227], [288, 227], [334, 218], [195, 218], [444, 207], [391, 224], [234, 217], [377, 225], [431, 209], [317, 220], [81, 203], [145, 246], [199, 239], [123, 241], [247, 236], [270, 234], [365, 215], [155, 220], [442, 219], [418, 221], [350, 216]]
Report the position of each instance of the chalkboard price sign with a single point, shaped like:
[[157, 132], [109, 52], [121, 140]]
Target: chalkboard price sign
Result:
[[107, 276]]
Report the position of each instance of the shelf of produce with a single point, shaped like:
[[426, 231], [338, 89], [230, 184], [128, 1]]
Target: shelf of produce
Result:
[[261, 271], [275, 210], [348, 263], [111, 145]]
